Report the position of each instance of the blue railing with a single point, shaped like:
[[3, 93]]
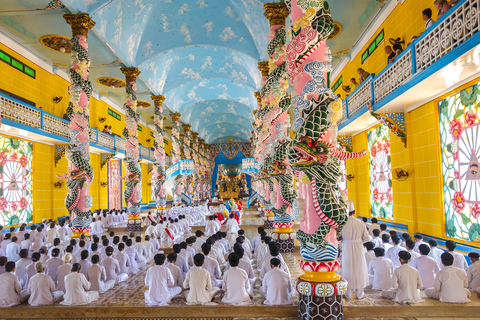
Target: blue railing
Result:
[[454, 34], [20, 115]]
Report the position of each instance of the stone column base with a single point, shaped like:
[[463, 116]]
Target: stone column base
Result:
[[321, 300], [134, 225], [268, 224], [286, 241]]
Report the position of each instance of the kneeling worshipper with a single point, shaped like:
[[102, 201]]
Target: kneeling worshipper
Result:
[[236, 283], [11, 293], [381, 271], [450, 283], [112, 267], [276, 288], [199, 282], [42, 289], [159, 281], [406, 282], [426, 266], [76, 286]]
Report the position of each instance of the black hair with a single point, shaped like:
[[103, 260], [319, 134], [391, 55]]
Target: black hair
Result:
[[84, 254], [428, 13], [159, 259], [108, 251], [198, 259], [379, 252], [383, 227], [450, 245], [233, 259], [23, 253], [275, 262], [395, 239], [176, 248], [447, 259], [76, 267], [206, 248], [95, 258], [55, 252], [424, 249], [376, 232], [374, 220], [9, 266], [385, 237], [432, 243], [369, 245], [172, 257], [410, 244]]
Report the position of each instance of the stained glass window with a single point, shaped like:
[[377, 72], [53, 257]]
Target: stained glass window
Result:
[[16, 203], [381, 197], [460, 148]]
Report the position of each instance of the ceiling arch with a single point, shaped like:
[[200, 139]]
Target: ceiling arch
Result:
[[218, 128], [209, 89], [214, 106], [203, 121]]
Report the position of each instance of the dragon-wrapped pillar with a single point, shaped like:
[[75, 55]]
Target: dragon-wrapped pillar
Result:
[[158, 175], [314, 158], [80, 172], [133, 172], [176, 156], [187, 137], [274, 93]]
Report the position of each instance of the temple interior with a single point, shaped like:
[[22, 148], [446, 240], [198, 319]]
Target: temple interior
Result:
[[296, 121]]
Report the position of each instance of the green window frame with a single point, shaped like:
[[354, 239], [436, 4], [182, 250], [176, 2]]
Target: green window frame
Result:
[[139, 128], [151, 133], [20, 66], [373, 45], [114, 114], [337, 84]]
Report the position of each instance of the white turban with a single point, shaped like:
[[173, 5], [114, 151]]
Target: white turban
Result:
[[350, 206]]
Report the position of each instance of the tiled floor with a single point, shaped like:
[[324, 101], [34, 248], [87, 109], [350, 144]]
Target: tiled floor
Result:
[[131, 292]]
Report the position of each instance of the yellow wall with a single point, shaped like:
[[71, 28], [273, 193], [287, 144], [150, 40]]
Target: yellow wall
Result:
[[49, 201], [405, 21], [418, 201]]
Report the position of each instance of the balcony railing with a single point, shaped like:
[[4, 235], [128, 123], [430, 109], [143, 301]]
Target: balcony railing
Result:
[[43, 122], [452, 29]]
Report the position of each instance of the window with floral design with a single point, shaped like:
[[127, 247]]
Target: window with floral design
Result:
[[16, 203], [381, 197], [460, 148]]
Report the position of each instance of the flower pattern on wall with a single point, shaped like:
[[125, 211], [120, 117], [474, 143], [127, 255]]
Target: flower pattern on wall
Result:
[[16, 203], [460, 148], [381, 197]]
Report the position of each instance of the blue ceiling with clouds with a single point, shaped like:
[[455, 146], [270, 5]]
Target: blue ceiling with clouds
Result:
[[201, 54]]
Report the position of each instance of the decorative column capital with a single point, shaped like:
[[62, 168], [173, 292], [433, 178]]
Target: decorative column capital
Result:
[[195, 135], [201, 142], [253, 124], [255, 113], [264, 68], [186, 127], [80, 23], [158, 100], [259, 98], [131, 74], [276, 13], [175, 116]]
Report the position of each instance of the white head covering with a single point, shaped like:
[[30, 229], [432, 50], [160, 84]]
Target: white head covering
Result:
[[350, 206]]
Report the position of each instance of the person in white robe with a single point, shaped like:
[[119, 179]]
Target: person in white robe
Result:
[[151, 230], [210, 226], [11, 293], [276, 288], [418, 241], [426, 266], [263, 251], [63, 271], [76, 286], [257, 239], [381, 271], [180, 262], [374, 226], [112, 267], [274, 253], [354, 266], [459, 259], [12, 250], [84, 262], [410, 245], [376, 239], [21, 267], [30, 270], [52, 264], [175, 270], [199, 240], [52, 233], [369, 253], [236, 284], [159, 281], [135, 260], [199, 282], [186, 254], [42, 289], [26, 243], [148, 248], [212, 266], [386, 242], [451, 283], [435, 252], [124, 261], [97, 277], [473, 272], [406, 282], [246, 265], [392, 253], [231, 228]]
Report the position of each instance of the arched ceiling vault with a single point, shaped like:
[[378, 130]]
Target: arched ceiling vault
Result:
[[201, 54]]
